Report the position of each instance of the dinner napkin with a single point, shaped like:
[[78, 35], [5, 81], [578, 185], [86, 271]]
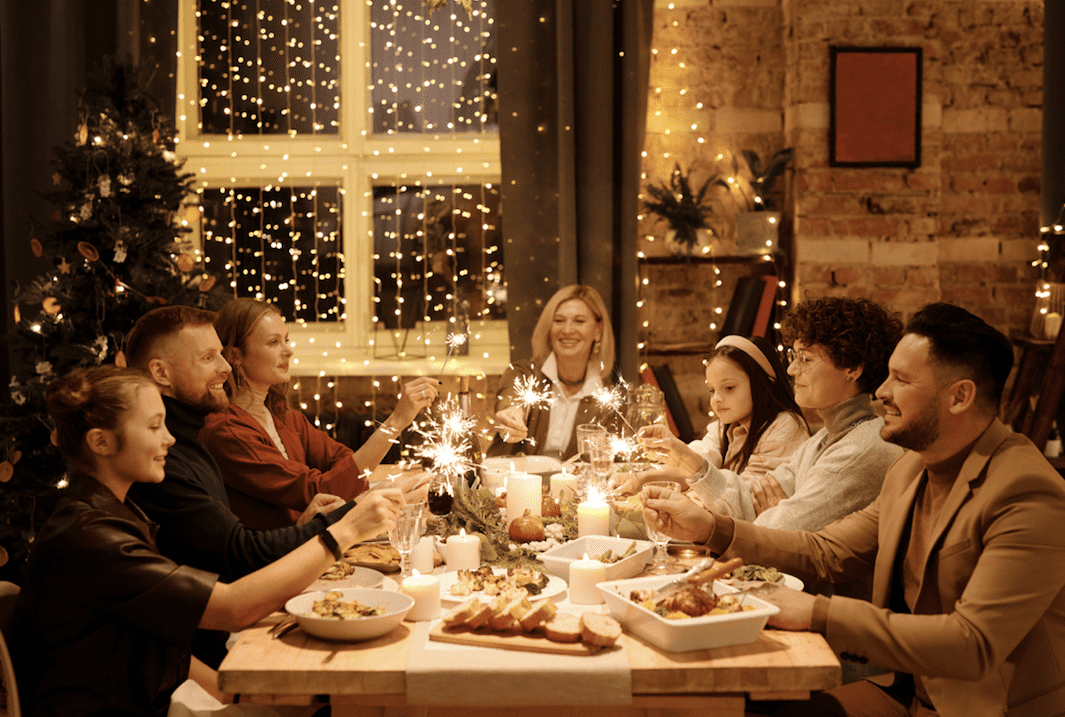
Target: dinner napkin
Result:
[[462, 675]]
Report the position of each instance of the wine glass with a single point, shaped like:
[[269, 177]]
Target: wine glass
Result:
[[409, 528], [663, 563], [441, 495]]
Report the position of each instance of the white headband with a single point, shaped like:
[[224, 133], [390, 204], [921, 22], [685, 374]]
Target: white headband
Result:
[[751, 349]]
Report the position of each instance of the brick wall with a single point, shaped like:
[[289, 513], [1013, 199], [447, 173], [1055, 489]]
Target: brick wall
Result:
[[961, 228]]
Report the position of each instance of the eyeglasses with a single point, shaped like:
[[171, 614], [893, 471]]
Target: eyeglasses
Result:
[[799, 358]]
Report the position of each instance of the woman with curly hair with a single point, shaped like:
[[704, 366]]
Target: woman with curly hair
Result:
[[838, 355]]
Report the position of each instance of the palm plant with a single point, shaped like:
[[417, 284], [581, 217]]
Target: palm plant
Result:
[[685, 210]]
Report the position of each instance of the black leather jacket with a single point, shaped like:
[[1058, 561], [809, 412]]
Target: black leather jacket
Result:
[[104, 623]]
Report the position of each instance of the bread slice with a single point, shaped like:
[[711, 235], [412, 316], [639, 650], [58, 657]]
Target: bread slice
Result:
[[461, 614], [563, 627], [480, 615], [599, 630], [507, 617], [539, 613]]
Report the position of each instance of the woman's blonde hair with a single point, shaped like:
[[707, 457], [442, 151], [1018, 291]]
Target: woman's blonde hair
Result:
[[234, 323], [602, 356]]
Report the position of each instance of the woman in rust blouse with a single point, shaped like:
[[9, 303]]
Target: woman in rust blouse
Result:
[[272, 459]]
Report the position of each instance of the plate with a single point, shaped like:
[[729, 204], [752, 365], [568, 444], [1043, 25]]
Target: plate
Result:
[[376, 556], [555, 586], [396, 605], [359, 578], [557, 559]]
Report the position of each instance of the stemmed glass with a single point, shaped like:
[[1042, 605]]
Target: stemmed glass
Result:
[[408, 531], [663, 563], [585, 431]]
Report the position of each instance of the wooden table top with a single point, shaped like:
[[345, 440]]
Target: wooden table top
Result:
[[298, 664], [779, 665]]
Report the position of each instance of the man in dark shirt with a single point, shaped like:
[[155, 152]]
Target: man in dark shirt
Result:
[[178, 347]]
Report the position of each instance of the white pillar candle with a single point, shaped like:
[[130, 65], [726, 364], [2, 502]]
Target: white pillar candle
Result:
[[583, 576], [493, 478], [593, 518], [425, 589], [524, 492], [421, 558], [564, 485], [463, 552]]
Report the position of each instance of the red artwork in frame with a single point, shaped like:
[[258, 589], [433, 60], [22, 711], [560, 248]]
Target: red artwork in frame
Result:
[[875, 98]]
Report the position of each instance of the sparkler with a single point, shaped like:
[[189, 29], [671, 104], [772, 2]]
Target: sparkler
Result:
[[453, 341], [448, 436]]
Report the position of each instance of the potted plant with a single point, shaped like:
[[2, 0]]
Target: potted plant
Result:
[[686, 211], [757, 229]]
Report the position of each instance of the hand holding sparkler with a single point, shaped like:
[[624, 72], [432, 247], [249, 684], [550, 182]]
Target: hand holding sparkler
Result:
[[511, 424], [527, 393], [417, 394]]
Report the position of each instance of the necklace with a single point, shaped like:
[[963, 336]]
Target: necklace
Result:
[[578, 382]]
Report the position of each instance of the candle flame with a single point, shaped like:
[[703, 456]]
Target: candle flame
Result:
[[462, 533]]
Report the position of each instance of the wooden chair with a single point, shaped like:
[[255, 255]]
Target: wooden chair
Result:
[[1033, 404], [8, 595]]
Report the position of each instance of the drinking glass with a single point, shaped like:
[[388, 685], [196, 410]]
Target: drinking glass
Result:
[[601, 455], [441, 495], [663, 563], [410, 525], [584, 432]]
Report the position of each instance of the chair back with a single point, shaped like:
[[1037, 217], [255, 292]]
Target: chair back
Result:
[[8, 596]]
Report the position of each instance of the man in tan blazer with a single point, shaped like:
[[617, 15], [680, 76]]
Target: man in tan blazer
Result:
[[966, 545]]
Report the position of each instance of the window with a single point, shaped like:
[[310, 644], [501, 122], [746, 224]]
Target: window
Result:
[[347, 167]]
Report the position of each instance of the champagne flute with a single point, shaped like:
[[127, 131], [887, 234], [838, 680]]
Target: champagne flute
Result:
[[409, 528], [663, 563]]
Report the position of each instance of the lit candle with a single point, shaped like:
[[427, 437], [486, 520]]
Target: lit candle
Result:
[[463, 551], [583, 576], [593, 518], [493, 477], [524, 492], [564, 486], [425, 589]]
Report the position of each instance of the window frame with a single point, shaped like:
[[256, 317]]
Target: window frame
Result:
[[353, 159]]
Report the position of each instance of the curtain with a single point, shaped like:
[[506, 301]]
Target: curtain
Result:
[[572, 79]]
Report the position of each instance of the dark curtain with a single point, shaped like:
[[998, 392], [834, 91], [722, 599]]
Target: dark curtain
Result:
[[573, 78]]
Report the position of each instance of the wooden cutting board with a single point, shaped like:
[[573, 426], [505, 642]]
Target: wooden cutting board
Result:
[[530, 642]]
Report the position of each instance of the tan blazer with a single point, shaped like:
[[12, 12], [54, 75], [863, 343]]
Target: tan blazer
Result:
[[988, 633]]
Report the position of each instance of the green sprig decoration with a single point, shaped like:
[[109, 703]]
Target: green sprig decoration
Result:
[[686, 210]]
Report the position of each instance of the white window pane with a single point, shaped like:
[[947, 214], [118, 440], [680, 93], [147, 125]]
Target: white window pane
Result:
[[433, 71], [437, 254], [269, 67], [280, 244]]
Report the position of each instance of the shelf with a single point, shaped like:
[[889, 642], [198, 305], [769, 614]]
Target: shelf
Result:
[[728, 259]]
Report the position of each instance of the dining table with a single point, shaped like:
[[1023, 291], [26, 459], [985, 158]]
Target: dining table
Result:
[[383, 677]]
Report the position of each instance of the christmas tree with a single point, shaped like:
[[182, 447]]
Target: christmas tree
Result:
[[118, 248]]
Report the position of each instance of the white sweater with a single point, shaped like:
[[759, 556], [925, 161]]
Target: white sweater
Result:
[[837, 471]]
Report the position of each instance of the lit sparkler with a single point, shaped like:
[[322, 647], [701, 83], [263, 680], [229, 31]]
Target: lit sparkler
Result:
[[449, 434], [453, 341], [529, 394]]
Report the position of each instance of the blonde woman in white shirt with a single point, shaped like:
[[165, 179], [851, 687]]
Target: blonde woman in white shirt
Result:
[[573, 356]]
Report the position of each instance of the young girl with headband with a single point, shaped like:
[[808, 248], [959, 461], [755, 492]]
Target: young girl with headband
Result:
[[758, 424]]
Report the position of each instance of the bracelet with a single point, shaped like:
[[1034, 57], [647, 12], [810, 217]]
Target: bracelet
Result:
[[331, 543]]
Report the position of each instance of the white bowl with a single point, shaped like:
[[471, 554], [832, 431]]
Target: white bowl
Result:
[[556, 560], [396, 605], [495, 468], [697, 633]]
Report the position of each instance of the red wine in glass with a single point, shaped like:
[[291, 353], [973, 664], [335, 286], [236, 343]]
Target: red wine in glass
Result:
[[440, 499]]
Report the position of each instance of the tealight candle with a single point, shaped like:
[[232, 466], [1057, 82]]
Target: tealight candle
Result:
[[463, 551], [583, 577], [524, 492], [425, 589], [564, 486], [593, 518]]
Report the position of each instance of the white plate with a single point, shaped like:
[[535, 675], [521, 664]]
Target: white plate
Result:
[[789, 581], [697, 633], [396, 605], [555, 586], [557, 559], [359, 578], [544, 465]]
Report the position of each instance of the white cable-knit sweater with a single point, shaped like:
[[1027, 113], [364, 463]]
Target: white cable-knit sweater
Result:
[[837, 471]]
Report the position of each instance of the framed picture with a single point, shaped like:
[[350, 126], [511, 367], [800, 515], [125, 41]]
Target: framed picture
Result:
[[875, 103]]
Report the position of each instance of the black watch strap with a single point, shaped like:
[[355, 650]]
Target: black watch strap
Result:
[[331, 543]]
